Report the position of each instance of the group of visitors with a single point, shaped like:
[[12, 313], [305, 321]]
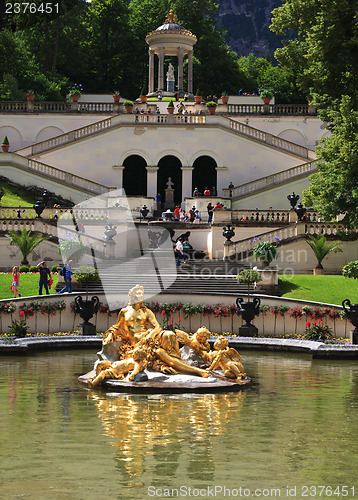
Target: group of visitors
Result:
[[207, 192], [45, 280], [192, 216], [182, 250]]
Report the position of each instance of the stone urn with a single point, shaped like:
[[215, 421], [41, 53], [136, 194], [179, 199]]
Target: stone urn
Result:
[[86, 309], [248, 310], [352, 315]]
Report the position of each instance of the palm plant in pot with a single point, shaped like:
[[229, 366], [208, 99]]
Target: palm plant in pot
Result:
[[211, 105], [248, 310], [198, 96], [224, 97], [321, 249], [143, 95], [116, 96], [5, 144]]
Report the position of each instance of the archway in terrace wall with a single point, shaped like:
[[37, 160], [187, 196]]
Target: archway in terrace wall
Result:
[[204, 173], [135, 176]]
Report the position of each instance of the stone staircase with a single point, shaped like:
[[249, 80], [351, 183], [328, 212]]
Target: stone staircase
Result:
[[197, 277]]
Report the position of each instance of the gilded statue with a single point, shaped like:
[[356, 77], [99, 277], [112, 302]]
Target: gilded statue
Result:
[[130, 367], [198, 342], [137, 326], [225, 359]]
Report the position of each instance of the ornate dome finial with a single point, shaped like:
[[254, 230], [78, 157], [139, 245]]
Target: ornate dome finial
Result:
[[171, 17]]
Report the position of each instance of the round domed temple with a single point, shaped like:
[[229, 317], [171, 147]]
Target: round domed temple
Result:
[[170, 39]]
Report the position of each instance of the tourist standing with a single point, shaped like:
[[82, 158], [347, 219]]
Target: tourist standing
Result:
[[206, 192], [68, 278], [44, 277], [214, 192], [196, 192], [176, 213], [186, 248], [210, 212], [179, 250], [158, 200], [15, 281]]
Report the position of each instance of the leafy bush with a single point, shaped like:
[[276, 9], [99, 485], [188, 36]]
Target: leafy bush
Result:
[[266, 93], [350, 270], [24, 269], [19, 328], [319, 331], [6, 141], [171, 104], [86, 275], [128, 104], [34, 269], [211, 104], [55, 268], [266, 252]]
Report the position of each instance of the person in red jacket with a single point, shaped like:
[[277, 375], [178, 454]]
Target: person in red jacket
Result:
[[207, 192]]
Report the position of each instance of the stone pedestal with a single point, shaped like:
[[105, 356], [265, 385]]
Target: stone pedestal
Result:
[[169, 195], [248, 331], [87, 329]]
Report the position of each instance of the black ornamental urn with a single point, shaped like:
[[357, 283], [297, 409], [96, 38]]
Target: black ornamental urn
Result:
[[352, 315], [228, 232], [86, 309], [248, 310], [293, 199]]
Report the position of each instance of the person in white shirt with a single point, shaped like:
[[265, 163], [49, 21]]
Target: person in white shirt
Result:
[[179, 250]]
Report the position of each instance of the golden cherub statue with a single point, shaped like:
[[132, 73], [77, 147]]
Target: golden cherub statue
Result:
[[225, 357], [198, 342], [130, 367]]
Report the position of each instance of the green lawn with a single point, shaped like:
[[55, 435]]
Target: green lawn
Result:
[[330, 289], [29, 285]]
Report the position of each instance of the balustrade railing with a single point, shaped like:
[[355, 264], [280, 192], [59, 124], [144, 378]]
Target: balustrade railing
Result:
[[261, 216], [271, 180]]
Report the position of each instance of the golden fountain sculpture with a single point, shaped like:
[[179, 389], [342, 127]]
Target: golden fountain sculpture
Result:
[[143, 344]]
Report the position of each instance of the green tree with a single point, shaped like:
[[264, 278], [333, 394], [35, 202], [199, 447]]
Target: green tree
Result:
[[333, 190], [25, 242], [323, 52]]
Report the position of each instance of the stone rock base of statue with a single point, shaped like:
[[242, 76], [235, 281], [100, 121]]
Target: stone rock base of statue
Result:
[[248, 331], [152, 382], [87, 329]]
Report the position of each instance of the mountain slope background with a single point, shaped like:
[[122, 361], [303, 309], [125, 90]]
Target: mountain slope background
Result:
[[247, 24]]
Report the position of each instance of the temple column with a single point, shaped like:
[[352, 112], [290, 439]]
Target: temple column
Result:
[[190, 72], [151, 71], [119, 179], [180, 69], [161, 69], [152, 181], [187, 182]]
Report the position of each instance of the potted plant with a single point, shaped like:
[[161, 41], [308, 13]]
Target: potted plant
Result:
[[30, 95], [211, 105], [265, 252], [198, 96], [170, 107], [116, 96], [128, 105], [5, 144], [224, 97], [75, 93], [321, 249], [143, 95], [266, 96], [248, 310], [19, 328]]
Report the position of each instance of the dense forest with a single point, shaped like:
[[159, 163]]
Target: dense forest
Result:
[[101, 46]]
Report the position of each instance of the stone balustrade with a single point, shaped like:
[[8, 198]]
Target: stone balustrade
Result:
[[271, 180]]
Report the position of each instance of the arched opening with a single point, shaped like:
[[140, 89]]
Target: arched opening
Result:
[[170, 166], [135, 176], [204, 174]]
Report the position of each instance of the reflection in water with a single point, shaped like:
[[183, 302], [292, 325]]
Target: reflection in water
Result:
[[297, 426], [151, 426]]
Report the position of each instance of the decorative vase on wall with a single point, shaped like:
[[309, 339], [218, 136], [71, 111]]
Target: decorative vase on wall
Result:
[[116, 98], [75, 97], [225, 99], [211, 111], [30, 97]]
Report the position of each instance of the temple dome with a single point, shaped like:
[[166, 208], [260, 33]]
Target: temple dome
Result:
[[171, 27]]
